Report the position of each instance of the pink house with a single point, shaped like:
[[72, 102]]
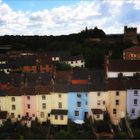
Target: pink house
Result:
[[29, 102]]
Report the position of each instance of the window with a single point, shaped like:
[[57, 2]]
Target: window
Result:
[[103, 102], [28, 97], [114, 111], [86, 94], [59, 95], [98, 116], [76, 113], [56, 117], [133, 111], [135, 101], [117, 93], [78, 104], [60, 105], [98, 94], [98, 103], [117, 102], [44, 106], [86, 103], [13, 107], [43, 97], [42, 114], [79, 95], [13, 99], [135, 92], [28, 106], [61, 117], [18, 116], [12, 115], [71, 62]]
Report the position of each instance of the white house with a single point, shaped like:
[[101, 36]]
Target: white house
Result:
[[117, 67], [74, 61]]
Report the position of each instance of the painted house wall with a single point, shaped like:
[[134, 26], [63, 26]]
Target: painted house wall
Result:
[[18, 105], [130, 103], [59, 121], [72, 105], [31, 102], [39, 106], [3, 103], [120, 109], [94, 100], [56, 99]]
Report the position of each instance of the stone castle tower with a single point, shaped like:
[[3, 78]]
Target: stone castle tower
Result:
[[130, 35]]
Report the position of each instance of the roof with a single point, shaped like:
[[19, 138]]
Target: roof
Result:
[[79, 88], [58, 53], [132, 84], [59, 112], [27, 91], [59, 88], [124, 65], [97, 111], [80, 74], [3, 114], [135, 49], [72, 58], [115, 84], [24, 61], [13, 91], [42, 90], [63, 76]]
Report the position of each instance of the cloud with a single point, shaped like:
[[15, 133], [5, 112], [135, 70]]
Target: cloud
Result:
[[111, 16]]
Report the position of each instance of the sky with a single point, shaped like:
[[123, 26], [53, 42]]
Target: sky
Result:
[[62, 17]]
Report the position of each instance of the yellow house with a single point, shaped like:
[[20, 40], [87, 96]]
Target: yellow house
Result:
[[59, 104], [117, 100], [14, 103], [43, 103], [3, 106], [98, 103]]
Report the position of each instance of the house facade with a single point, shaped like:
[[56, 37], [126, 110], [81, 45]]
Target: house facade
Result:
[[59, 104], [78, 102]]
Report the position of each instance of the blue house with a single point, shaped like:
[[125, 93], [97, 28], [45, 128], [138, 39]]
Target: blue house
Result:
[[78, 102]]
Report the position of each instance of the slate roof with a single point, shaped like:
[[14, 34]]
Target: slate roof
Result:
[[59, 88], [63, 76], [97, 111], [80, 88], [42, 90], [58, 53], [135, 49], [3, 114], [59, 112], [115, 84], [124, 65]]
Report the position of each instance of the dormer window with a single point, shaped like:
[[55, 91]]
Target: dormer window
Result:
[[135, 93], [79, 95]]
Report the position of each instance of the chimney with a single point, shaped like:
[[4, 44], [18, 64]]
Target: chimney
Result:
[[106, 64]]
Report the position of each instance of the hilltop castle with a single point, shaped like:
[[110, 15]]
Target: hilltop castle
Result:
[[130, 34]]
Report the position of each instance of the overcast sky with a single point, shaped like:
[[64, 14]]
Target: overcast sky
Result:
[[57, 17]]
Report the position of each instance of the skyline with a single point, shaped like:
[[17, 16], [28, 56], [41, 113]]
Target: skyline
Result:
[[59, 17]]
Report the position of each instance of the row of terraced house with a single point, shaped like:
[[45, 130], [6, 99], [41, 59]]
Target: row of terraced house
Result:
[[76, 94]]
